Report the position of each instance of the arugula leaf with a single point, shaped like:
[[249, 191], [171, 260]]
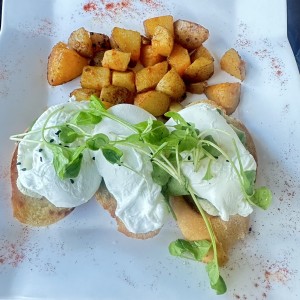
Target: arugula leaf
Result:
[[67, 134], [175, 188], [112, 154], [190, 249], [97, 141], [152, 131], [248, 181], [176, 117], [66, 161], [216, 281], [208, 175], [210, 148], [96, 104], [262, 197], [159, 175], [241, 134], [86, 118]]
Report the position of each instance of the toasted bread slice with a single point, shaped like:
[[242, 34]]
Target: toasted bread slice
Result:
[[29, 210], [106, 199], [227, 233]]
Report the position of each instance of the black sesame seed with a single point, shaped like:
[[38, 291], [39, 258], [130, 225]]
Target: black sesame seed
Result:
[[51, 141], [24, 169], [40, 150], [227, 160], [58, 132], [72, 181], [189, 158], [250, 229], [93, 158], [66, 146], [41, 159], [18, 163]]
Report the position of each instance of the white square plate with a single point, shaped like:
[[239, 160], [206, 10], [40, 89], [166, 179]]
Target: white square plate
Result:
[[83, 256]]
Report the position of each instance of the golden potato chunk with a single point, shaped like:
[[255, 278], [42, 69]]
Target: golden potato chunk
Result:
[[232, 63], [127, 41], [81, 42], [175, 106], [189, 34], [148, 78], [116, 95], [196, 88], [116, 60], [124, 79], [226, 95], [179, 59], [95, 77], [201, 52], [156, 103], [100, 42], [162, 41], [149, 57], [83, 94], [152, 23], [200, 70], [64, 64], [172, 85]]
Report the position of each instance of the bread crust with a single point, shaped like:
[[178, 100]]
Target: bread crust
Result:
[[109, 203], [29, 210]]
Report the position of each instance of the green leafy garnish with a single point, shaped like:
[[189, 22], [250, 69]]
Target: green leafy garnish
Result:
[[112, 154], [97, 141], [196, 250], [67, 134], [262, 197]]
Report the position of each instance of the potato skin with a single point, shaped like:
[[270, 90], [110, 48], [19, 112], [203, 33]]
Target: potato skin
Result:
[[154, 102], [225, 94], [59, 62], [116, 95], [83, 94], [81, 42], [100, 42], [190, 35]]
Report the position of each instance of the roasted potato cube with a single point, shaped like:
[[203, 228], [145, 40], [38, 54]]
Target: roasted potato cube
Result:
[[232, 63], [156, 103], [81, 42], [116, 94], [162, 41], [148, 78], [64, 64], [149, 57], [190, 35], [226, 95], [179, 59], [201, 52], [124, 79], [152, 23], [200, 70], [82, 94], [97, 59], [100, 42], [127, 41], [196, 88], [116, 60], [175, 106], [95, 77], [172, 85]]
